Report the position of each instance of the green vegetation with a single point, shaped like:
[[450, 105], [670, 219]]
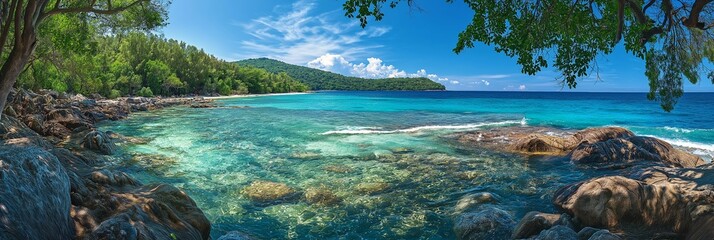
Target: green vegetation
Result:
[[142, 64], [323, 80], [674, 38]]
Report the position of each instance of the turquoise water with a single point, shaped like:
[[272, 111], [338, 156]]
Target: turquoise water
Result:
[[343, 141]]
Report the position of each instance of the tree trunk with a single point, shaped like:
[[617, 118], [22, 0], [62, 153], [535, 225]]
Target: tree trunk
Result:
[[13, 66]]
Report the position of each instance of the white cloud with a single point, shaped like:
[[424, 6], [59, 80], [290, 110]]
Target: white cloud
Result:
[[485, 82], [522, 87], [455, 82], [299, 35], [374, 68]]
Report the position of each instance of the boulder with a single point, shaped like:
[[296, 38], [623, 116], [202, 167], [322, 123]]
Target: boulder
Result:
[[633, 149], [559, 232], [587, 232], [156, 211], [490, 223], [34, 195], [541, 143], [535, 222], [137, 100], [266, 192], [612, 201], [56, 129], [593, 135], [471, 201], [69, 117], [98, 141], [372, 187]]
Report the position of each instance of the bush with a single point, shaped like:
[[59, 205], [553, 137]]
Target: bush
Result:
[[113, 94], [145, 92]]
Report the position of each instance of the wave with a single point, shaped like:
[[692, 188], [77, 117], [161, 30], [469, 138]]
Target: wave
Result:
[[688, 144], [465, 127], [678, 130]]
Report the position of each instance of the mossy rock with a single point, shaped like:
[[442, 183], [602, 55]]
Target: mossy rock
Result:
[[267, 191], [321, 196], [372, 187]]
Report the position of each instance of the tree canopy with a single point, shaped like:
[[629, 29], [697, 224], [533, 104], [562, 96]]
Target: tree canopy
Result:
[[323, 80], [674, 38]]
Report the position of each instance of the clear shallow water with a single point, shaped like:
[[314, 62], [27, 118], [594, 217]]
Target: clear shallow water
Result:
[[344, 140]]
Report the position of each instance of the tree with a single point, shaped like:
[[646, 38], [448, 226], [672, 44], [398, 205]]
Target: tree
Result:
[[673, 37], [20, 21]]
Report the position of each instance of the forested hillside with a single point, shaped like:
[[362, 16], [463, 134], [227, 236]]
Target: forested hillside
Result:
[[322, 80], [142, 64]]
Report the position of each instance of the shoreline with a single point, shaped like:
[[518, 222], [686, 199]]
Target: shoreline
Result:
[[256, 95]]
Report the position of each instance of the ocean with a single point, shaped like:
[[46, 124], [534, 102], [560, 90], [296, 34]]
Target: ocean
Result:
[[395, 142]]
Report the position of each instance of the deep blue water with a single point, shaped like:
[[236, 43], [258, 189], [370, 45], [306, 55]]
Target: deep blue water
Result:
[[213, 154]]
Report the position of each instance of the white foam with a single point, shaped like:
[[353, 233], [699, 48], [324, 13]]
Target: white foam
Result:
[[464, 127], [687, 143], [676, 129]]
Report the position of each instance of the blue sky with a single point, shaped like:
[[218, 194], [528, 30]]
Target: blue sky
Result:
[[407, 42]]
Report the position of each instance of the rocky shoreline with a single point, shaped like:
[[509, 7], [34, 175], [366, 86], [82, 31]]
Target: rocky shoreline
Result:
[[55, 184], [660, 192]]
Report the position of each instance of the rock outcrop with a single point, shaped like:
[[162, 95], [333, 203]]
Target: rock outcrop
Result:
[[34, 195], [631, 149], [50, 192]]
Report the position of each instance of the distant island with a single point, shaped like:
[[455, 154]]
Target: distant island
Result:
[[323, 80]]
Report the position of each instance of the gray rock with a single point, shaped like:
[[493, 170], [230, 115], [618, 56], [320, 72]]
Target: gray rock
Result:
[[535, 222], [98, 141], [587, 232], [34, 195], [558, 232], [471, 201], [491, 223]]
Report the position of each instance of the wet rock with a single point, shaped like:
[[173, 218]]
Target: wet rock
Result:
[[559, 232], [372, 187], [266, 191], [631, 150], [469, 175], [203, 105], [235, 235], [604, 234], [472, 201], [321, 196], [490, 223], [154, 212], [34, 195], [98, 141], [535, 222]]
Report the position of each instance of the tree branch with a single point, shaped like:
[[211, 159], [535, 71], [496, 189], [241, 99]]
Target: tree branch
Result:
[[91, 9], [693, 19]]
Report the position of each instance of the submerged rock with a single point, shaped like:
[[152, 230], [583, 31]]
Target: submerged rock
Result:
[[491, 223], [235, 235], [372, 187], [34, 195], [321, 196], [266, 191], [471, 201], [306, 155], [338, 168]]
